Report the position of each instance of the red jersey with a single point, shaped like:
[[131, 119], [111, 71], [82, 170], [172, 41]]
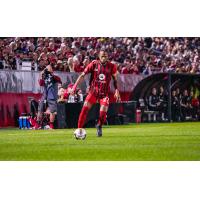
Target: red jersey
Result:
[[125, 70], [101, 75], [67, 93], [79, 68]]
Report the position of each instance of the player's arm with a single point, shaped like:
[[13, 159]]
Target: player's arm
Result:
[[57, 79], [78, 81], [116, 95], [87, 70]]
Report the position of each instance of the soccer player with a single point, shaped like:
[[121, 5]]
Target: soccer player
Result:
[[101, 73]]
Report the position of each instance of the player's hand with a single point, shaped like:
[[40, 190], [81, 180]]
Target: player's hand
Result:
[[117, 96]]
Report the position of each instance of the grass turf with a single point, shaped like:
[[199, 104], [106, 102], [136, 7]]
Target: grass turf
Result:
[[161, 141]]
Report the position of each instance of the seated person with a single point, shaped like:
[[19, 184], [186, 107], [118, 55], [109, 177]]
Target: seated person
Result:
[[153, 102], [185, 105], [174, 106], [194, 102], [61, 95], [45, 117], [163, 103], [65, 96]]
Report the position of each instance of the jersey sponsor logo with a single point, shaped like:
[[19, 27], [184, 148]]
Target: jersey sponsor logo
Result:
[[106, 100], [101, 77]]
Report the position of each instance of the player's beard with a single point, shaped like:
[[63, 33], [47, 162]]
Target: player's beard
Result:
[[104, 61]]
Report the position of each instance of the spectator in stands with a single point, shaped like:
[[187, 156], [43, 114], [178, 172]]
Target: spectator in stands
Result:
[[76, 64], [70, 64], [35, 62], [79, 95], [86, 61], [149, 55], [66, 67], [147, 70], [61, 97]]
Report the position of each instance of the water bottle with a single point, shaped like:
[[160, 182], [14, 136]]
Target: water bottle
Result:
[[80, 97], [71, 99], [20, 122], [28, 123], [24, 122]]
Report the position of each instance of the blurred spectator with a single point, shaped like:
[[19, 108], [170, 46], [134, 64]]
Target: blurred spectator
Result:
[[175, 106], [163, 103], [153, 102], [185, 105], [132, 55], [61, 97]]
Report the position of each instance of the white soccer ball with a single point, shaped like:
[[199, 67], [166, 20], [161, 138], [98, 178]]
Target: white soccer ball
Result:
[[80, 134]]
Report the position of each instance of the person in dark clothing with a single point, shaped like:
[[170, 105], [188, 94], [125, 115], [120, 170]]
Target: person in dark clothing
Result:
[[163, 103], [174, 106], [50, 95], [185, 105], [153, 102], [178, 94], [179, 97]]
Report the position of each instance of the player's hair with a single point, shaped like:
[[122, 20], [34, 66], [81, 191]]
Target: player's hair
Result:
[[102, 49]]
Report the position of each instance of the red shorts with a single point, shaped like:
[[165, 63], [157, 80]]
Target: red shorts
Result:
[[92, 99]]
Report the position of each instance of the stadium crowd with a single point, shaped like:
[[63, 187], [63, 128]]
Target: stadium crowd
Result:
[[131, 55]]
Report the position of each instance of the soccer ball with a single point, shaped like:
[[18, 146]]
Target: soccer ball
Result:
[[80, 134]]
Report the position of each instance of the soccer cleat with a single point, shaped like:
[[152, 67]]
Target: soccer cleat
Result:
[[99, 131]]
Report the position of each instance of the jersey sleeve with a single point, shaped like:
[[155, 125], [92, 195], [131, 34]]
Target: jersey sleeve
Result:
[[114, 69], [89, 68], [57, 79], [41, 82]]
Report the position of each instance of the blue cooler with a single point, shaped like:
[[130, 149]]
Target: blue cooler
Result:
[[24, 122], [20, 122]]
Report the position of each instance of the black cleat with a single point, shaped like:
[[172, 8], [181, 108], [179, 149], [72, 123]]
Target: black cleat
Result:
[[99, 131]]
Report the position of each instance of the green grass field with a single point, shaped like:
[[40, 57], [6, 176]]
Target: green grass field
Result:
[[160, 141]]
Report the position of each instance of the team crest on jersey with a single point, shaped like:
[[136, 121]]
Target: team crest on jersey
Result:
[[101, 77]]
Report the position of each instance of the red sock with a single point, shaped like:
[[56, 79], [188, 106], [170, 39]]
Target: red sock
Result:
[[82, 116], [51, 125], [102, 118]]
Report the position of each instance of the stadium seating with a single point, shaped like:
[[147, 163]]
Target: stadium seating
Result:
[[131, 55]]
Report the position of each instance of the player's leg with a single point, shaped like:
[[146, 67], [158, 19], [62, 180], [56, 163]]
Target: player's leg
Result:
[[39, 114], [89, 101], [104, 103], [52, 110]]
